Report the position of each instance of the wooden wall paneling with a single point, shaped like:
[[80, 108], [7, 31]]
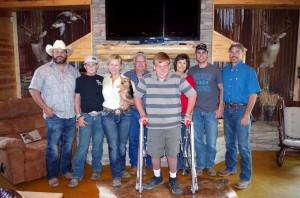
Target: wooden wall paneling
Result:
[[7, 67], [42, 4], [266, 4], [16, 55], [297, 80], [82, 47]]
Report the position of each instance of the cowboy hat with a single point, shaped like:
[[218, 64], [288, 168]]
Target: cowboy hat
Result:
[[59, 44]]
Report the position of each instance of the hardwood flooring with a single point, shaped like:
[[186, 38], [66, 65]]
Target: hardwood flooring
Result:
[[268, 180]]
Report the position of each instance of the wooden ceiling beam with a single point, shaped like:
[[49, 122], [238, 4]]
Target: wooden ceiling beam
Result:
[[42, 4], [269, 4]]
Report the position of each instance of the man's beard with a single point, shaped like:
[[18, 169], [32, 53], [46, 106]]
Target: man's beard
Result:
[[61, 61]]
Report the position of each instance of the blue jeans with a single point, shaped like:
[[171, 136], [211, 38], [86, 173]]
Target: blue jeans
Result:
[[93, 128], [236, 133], [180, 162], [134, 136], [60, 132], [116, 128], [205, 147]]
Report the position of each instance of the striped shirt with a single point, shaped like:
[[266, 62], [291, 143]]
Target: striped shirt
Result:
[[163, 106], [57, 88]]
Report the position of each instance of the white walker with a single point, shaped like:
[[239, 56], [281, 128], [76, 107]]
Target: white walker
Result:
[[141, 159], [190, 129], [190, 161]]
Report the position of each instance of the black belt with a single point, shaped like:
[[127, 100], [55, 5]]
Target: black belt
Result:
[[116, 111], [232, 105]]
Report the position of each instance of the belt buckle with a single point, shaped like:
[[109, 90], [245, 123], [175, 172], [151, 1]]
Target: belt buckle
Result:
[[117, 111]]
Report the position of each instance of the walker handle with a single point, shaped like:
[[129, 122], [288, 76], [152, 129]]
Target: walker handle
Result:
[[188, 123]]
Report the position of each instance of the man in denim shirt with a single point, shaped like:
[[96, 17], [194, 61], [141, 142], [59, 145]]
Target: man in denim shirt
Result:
[[140, 64], [53, 89], [240, 91]]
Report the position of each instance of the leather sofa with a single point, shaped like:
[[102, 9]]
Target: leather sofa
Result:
[[20, 162]]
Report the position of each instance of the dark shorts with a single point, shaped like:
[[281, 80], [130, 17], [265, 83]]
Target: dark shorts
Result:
[[164, 142]]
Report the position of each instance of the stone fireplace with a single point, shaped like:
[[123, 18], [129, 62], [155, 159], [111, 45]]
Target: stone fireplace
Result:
[[98, 34]]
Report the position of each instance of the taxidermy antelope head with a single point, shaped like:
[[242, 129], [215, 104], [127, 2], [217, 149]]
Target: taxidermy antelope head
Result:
[[36, 34], [64, 18], [269, 53]]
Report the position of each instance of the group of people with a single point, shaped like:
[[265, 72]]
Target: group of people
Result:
[[167, 101]]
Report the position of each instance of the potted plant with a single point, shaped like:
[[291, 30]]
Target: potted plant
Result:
[[268, 101]]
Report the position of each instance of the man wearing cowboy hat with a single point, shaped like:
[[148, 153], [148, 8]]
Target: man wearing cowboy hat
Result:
[[53, 89]]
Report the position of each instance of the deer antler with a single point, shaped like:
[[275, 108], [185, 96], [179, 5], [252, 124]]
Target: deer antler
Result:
[[26, 28], [35, 25], [287, 27], [264, 30]]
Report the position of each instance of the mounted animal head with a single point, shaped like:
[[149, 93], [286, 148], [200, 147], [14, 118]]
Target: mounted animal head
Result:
[[34, 29], [65, 18], [269, 53]]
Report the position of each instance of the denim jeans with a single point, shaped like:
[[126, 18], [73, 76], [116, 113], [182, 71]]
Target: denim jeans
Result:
[[93, 128], [134, 136], [180, 162], [116, 128], [236, 133], [205, 146], [60, 132]]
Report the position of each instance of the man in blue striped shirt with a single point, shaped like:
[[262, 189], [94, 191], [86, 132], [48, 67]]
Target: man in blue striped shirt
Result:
[[163, 115]]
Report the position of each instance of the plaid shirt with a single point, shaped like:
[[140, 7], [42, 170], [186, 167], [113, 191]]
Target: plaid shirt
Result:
[[57, 88]]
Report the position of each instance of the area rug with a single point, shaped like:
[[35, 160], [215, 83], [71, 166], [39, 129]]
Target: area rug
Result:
[[210, 188]]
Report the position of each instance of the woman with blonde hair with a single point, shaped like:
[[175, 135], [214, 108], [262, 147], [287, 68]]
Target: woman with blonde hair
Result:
[[116, 120]]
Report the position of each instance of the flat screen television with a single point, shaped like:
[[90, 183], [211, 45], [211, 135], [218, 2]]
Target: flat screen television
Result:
[[158, 20]]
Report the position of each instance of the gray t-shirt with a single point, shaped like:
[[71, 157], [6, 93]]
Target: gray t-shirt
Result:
[[163, 105], [207, 80]]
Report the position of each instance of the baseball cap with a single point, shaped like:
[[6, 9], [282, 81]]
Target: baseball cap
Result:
[[90, 59], [237, 45], [201, 46]]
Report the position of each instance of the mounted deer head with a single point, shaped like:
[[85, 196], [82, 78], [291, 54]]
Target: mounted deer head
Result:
[[34, 29], [269, 53]]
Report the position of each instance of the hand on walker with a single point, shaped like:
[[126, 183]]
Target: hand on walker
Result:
[[187, 121], [144, 120]]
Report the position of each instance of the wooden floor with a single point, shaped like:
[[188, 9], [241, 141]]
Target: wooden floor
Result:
[[268, 180]]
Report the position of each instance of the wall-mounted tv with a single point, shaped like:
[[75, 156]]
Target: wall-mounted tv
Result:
[[158, 20]]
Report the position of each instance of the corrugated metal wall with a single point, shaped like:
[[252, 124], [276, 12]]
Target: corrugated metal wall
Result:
[[244, 26], [72, 32]]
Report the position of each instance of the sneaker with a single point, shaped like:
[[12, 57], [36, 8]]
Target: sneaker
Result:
[[116, 183], [155, 181], [225, 172], [68, 175], [199, 171], [74, 182], [241, 184], [125, 175], [133, 170], [95, 175], [53, 182], [175, 187], [211, 172]]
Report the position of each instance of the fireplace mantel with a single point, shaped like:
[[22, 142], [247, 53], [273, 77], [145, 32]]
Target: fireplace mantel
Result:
[[127, 51]]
